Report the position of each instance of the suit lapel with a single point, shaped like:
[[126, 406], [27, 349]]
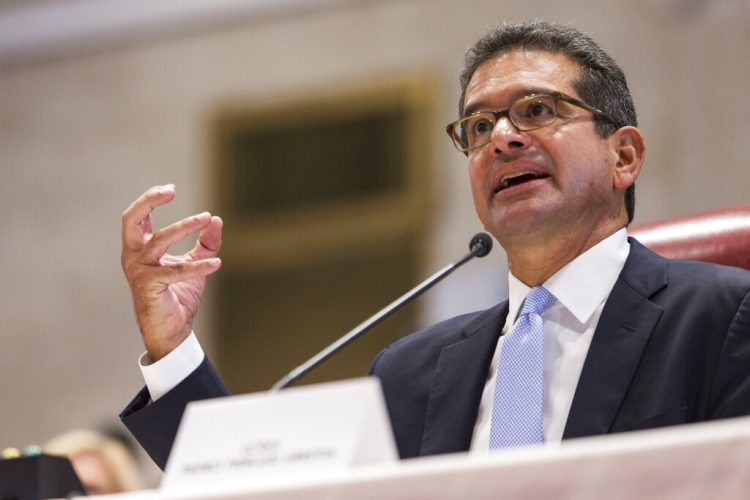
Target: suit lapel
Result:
[[456, 390], [624, 328]]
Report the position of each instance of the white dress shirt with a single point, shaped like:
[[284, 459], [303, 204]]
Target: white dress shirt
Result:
[[164, 375], [581, 288]]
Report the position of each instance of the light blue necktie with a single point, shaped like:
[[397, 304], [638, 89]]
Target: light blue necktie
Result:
[[518, 404]]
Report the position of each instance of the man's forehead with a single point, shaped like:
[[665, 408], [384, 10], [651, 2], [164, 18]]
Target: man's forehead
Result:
[[516, 73]]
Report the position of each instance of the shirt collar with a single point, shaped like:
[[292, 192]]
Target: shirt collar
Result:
[[583, 283]]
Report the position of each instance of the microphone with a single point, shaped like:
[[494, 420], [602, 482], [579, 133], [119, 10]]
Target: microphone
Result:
[[479, 246]]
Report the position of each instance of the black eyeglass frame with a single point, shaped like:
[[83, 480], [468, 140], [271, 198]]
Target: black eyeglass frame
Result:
[[556, 96]]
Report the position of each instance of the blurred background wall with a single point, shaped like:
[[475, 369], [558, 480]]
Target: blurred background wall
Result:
[[94, 112]]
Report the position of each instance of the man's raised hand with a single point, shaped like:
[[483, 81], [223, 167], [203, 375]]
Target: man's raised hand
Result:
[[167, 289]]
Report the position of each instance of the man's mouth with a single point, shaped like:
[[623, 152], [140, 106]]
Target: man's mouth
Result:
[[517, 178]]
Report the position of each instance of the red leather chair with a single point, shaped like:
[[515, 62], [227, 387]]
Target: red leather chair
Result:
[[721, 236]]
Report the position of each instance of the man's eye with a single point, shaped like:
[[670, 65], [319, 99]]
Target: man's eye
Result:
[[482, 126], [539, 109]]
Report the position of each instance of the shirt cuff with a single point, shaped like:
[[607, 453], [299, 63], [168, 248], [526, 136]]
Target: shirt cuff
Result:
[[164, 375]]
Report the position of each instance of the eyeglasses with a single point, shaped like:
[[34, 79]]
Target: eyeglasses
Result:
[[527, 113]]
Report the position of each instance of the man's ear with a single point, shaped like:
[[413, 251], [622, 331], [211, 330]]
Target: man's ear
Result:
[[630, 151]]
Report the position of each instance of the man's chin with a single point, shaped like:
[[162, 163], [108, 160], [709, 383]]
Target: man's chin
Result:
[[518, 227]]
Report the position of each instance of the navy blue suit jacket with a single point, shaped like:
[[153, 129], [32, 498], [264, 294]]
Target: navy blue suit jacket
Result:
[[672, 346]]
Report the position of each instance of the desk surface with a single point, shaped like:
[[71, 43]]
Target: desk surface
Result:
[[682, 463]]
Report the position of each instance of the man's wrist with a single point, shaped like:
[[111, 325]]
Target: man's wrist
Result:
[[165, 374]]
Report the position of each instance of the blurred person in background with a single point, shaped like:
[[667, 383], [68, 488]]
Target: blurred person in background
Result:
[[103, 463]]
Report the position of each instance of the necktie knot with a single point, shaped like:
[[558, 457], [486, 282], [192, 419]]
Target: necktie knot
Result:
[[537, 301]]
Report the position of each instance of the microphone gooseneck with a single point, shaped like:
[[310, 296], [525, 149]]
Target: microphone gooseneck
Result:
[[479, 246]]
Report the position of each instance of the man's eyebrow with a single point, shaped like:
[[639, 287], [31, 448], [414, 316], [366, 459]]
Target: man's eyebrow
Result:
[[518, 94]]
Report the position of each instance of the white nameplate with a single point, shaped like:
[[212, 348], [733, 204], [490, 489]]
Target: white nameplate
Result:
[[324, 426]]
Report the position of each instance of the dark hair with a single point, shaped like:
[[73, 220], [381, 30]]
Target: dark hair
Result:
[[600, 82]]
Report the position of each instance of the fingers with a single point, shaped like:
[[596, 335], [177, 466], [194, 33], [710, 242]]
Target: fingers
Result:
[[161, 240], [172, 271], [136, 219], [209, 240], [144, 255], [185, 271]]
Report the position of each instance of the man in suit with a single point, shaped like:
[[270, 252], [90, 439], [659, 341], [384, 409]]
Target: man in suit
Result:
[[630, 340]]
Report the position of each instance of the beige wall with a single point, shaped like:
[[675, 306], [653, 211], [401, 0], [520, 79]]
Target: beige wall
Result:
[[81, 136]]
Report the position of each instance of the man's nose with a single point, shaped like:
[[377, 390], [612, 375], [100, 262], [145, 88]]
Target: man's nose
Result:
[[506, 137]]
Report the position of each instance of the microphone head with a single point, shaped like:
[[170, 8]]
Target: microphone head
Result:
[[481, 244]]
